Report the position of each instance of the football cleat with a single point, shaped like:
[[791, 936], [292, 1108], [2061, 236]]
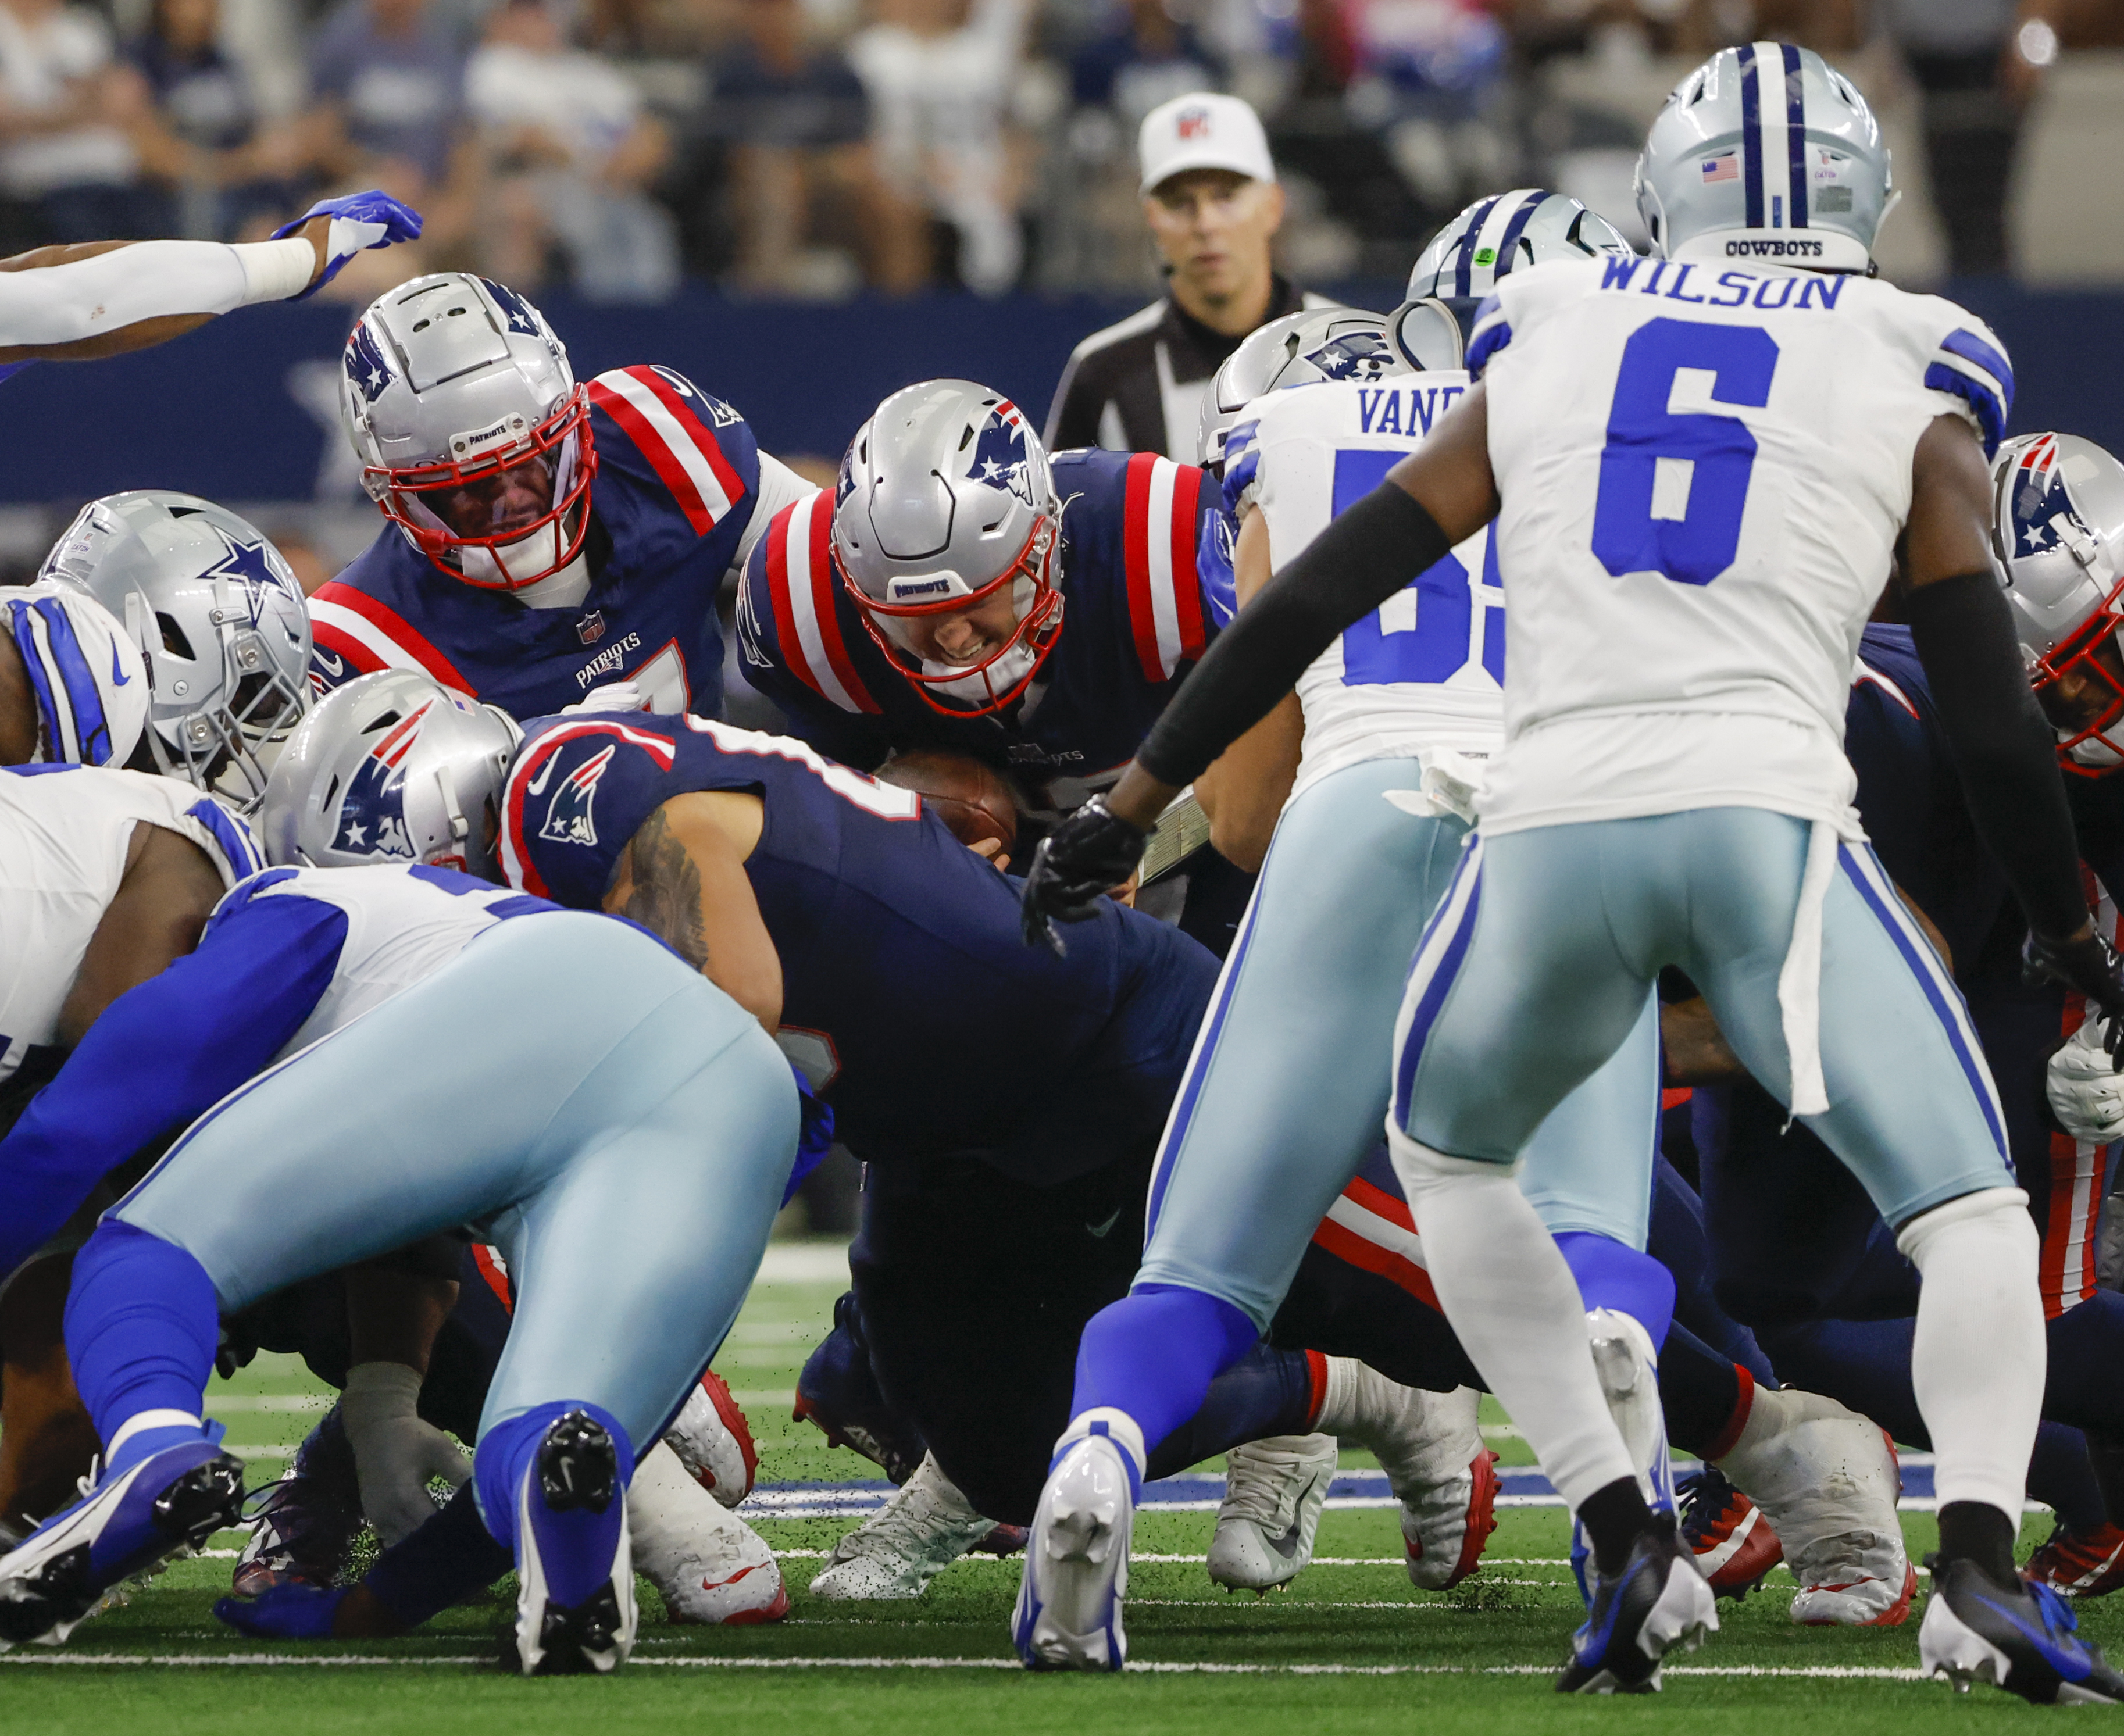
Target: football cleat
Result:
[[708, 1565], [575, 1603], [2075, 1566], [1827, 1481], [1629, 1368], [1726, 1532], [303, 1526], [1657, 1603], [167, 1504], [1430, 1447], [1275, 1491], [714, 1441], [1069, 1612], [897, 1551], [2023, 1640]]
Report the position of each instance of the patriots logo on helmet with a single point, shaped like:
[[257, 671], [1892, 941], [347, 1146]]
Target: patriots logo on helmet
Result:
[[366, 365], [2043, 515], [568, 817], [513, 308], [1359, 356], [371, 814], [1001, 457]]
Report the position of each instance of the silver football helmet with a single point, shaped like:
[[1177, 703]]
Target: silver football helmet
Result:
[[1766, 152], [218, 620], [1317, 344], [2057, 536], [1495, 236], [474, 437], [391, 767], [88, 684], [945, 503]]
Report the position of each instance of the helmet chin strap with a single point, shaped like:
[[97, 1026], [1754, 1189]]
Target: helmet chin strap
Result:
[[980, 685], [561, 587]]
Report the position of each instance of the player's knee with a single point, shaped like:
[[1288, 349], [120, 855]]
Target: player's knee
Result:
[[1996, 1218], [1422, 1166]]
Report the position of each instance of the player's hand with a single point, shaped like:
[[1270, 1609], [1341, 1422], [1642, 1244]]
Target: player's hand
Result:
[[350, 222], [289, 1610], [2086, 964], [395, 1453], [1078, 863], [2085, 1089], [613, 696]]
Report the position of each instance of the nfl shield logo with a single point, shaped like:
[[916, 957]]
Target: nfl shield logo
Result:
[[1194, 123], [590, 628]]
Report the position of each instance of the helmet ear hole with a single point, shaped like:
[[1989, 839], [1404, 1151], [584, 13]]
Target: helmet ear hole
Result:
[[173, 637]]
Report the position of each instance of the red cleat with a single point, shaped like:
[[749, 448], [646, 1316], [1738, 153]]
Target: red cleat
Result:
[[1731, 1541], [2074, 1566]]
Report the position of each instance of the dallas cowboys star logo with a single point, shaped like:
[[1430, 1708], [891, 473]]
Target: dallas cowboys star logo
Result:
[[248, 570]]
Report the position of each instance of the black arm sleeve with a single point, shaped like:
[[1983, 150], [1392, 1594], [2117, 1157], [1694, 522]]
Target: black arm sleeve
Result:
[[2005, 752], [1367, 554]]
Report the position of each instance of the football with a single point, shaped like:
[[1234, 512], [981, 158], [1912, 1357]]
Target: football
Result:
[[975, 800]]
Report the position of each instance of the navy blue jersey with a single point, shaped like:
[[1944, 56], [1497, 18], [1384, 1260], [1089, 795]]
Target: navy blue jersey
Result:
[[1133, 624], [910, 999], [677, 479]]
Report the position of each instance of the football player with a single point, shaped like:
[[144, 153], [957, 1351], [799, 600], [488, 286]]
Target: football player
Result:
[[546, 537], [1033, 611], [646, 1159], [98, 299], [1688, 587]]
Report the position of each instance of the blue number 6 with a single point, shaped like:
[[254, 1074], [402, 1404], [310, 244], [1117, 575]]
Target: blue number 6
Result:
[[1697, 547]]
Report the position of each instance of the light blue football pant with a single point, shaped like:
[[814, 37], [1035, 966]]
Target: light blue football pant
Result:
[[1534, 972], [1289, 1084], [620, 1127]]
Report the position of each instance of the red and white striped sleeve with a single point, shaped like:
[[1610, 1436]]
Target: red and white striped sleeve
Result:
[[530, 774], [351, 627], [1158, 549], [802, 594], [665, 423]]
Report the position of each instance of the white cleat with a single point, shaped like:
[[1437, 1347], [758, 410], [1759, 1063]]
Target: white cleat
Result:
[[1069, 1612], [897, 1551], [1827, 1480], [1430, 1447], [713, 1441], [1275, 1490], [709, 1566]]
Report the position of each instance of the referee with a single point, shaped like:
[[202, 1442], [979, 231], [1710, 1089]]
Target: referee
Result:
[[1210, 195]]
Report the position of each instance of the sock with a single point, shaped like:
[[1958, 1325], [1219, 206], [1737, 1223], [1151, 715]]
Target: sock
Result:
[[1614, 1516], [1976, 1531], [449, 1560], [1977, 1355], [1612, 1275], [1266, 1392], [1153, 1354], [1706, 1399], [506, 1452], [141, 1326], [1513, 1302]]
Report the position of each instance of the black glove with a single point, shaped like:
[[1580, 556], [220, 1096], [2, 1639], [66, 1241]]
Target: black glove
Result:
[[2088, 966], [1078, 863]]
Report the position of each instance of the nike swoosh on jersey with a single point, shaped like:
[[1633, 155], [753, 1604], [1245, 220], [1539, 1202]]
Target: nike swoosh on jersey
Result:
[[119, 678], [324, 660], [1099, 1229], [537, 786]]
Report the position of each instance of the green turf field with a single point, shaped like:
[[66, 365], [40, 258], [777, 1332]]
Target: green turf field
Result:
[[1351, 1646]]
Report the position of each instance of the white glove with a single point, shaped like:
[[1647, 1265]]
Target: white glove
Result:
[[614, 696], [2086, 1091], [395, 1453]]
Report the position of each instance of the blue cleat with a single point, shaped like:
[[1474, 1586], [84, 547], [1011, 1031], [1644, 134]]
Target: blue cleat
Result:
[[168, 1504], [575, 1562], [1069, 1613], [1658, 1601], [2024, 1639]]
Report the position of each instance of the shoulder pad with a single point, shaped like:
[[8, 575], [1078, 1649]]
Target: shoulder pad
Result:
[[683, 432], [790, 584]]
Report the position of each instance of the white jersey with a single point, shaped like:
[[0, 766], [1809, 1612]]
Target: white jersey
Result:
[[1704, 472], [64, 831], [1423, 671], [399, 925]]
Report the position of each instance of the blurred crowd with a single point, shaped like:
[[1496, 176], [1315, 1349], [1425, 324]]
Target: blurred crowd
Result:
[[814, 147]]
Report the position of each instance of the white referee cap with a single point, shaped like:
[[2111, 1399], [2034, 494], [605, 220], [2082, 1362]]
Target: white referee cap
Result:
[[1203, 130]]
